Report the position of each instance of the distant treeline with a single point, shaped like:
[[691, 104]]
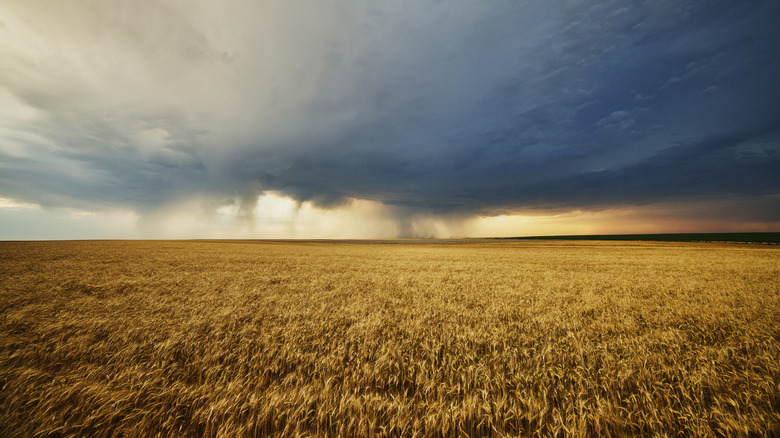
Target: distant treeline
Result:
[[769, 238]]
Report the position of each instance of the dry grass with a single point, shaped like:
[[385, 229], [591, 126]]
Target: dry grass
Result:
[[318, 339]]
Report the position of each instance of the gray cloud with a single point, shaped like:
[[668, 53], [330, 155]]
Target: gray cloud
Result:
[[465, 109]]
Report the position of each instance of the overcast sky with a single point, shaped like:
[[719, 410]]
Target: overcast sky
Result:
[[195, 118]]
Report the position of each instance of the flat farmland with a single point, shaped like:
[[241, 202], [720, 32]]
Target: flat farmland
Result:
[[429, 339]]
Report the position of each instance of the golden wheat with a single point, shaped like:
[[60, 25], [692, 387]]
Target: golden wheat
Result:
[[229, 339]]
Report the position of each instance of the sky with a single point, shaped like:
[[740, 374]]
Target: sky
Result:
[[363, 119]]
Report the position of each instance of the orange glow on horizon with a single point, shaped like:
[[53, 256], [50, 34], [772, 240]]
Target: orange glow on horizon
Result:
[[276, 216], [635, 220]]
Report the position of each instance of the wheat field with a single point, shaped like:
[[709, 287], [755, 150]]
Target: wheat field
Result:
[[446, 338]]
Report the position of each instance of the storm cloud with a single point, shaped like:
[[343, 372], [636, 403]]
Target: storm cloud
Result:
[[451, 109]]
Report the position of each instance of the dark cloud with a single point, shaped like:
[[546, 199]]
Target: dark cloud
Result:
[[458, 110]]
